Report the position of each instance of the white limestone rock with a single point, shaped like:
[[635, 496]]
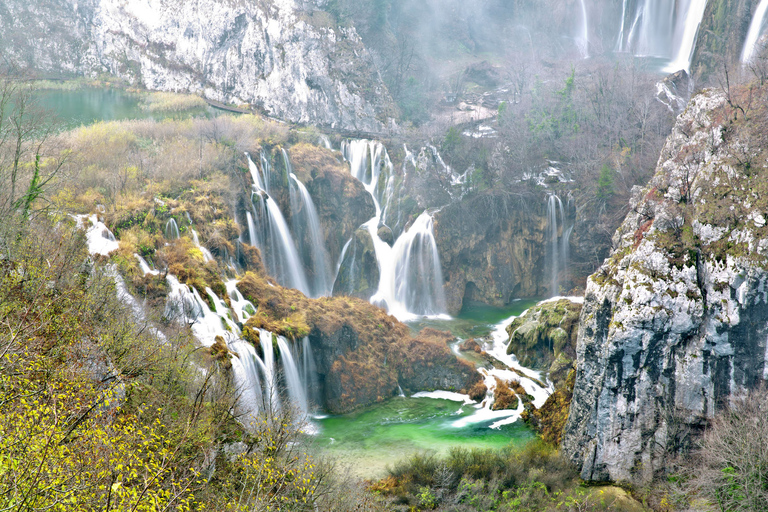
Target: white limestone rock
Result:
[[675, 322]]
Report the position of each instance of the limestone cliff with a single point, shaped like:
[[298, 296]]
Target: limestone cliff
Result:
[[675, 322], [491, 249], [287, 58]]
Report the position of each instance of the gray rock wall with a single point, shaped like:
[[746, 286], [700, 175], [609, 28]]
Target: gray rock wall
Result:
[[675, 322]]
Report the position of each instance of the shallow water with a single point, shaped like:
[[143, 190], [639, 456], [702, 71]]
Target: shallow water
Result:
[[376, 438], [88, 105], [379, 436]]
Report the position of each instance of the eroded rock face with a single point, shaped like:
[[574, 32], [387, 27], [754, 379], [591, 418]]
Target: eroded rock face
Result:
[[675, 322], [289, 59], [491, 249]]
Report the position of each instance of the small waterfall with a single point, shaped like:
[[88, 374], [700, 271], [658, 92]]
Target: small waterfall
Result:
[[269, 388], [246, 368], [325, 142], [411, 281], [172, 229], [687, 32], [756, 28], [144, 266], [309, 372], [582, 40], [207, 256], [620, 41], [306, 225], [410, 277]]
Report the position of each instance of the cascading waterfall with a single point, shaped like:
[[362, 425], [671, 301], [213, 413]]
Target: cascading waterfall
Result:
[[269, 231], [410, 277], [756, 29], [661, 28]]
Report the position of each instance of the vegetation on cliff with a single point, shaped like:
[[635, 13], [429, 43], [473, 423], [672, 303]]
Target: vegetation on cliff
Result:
[[364, 353]]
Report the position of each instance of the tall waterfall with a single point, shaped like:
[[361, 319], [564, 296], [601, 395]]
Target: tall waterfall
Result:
[[756, 29], [661, 28], [582, 40], [269, 231], [410, 277], [305, 224], [558, 237]]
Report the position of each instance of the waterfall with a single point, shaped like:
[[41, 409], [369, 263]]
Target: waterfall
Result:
[[296, 389], [246, 371], [558, 237], [207, 256], [325, 142], [410, 277], [582, 40], [172, 229], [309, 372], [269, 231], [269, 388], [661, 28], [306, 225], [756, 27], [688, 32]]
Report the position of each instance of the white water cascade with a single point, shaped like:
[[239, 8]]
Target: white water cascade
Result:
[[756, 29], [665, 29], [410, 277], [269, 232], [558, 239], [305, 224]]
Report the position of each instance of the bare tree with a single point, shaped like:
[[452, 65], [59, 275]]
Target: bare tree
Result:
[[25, 169], [731, 466]]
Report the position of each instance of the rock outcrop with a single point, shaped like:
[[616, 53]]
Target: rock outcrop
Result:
[[675, 322], [544, 337], [287, 58], [491, 249]]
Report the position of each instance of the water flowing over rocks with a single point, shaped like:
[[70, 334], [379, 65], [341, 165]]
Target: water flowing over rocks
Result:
[[674, 323], [286, 58]]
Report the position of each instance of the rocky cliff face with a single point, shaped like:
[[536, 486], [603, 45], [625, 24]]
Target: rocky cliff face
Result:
[[491, 249], [291, 60], [675, 322]]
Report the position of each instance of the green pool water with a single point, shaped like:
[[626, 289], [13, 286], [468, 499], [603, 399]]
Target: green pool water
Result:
[[370, 441], [87, 105], [379, 436]]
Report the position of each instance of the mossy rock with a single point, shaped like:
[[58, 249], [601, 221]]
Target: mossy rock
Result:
[[545, 331]]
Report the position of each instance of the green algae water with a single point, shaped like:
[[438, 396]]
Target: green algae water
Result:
[[377, 437]]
